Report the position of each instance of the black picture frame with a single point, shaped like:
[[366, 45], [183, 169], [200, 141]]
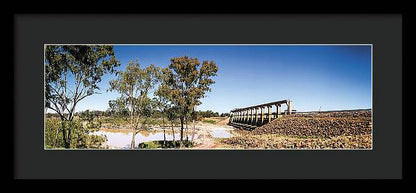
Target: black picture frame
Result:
[[384, 31]]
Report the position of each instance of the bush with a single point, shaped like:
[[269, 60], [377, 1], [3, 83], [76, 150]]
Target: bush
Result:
[[225, 115], [91, 118], [209, 121], [150, 145], [169, 144], [53, 133], [80, 137], [208, 113]]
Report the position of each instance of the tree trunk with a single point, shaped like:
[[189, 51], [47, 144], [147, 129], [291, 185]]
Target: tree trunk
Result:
[[164, 137], [186, 125], [193, 133], [164, 131], [64, 134], [68, 138], [133, 141], [173, 133], [181, 129], [67, 145], [131, 106], [132, 119]]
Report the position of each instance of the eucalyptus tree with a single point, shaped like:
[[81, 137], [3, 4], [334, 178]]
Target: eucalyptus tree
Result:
[[118, 107], [188, 82], [162, 102], [172, 115], [135, 84], [72, 73]]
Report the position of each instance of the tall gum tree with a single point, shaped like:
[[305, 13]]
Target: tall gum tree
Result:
[[72, 73], [135, 84], [188, 82], [162, 103]]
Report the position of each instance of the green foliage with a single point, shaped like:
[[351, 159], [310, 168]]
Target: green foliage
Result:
[[72, 73], [118, 107], [124, 122], [172, 113], [115, 120], [93, 123], [81, 137], [208, 113], [209, 121], [169, 144], [185, 83], [134, 85], [84, 64], [53, 133], [149, 145], [225, 115]]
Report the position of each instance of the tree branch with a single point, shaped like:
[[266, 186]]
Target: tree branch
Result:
[[63, 98]]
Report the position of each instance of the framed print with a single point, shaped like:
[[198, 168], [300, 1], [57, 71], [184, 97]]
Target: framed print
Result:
[[217, 96]]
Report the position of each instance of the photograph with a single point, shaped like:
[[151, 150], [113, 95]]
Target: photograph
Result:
[[208, 97]]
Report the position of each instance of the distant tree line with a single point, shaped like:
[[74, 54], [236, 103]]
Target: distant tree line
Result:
[[209, 113], [114, 110]]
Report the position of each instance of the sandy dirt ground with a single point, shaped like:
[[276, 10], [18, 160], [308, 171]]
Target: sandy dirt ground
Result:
[[206, 139], [223, 122]]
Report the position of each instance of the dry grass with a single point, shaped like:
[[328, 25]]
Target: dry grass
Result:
[[216, 120]]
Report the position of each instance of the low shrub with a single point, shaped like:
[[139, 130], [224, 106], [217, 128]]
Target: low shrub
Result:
[[169, 144]]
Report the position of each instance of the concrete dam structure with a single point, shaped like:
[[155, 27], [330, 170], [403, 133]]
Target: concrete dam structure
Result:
[[255, 116]]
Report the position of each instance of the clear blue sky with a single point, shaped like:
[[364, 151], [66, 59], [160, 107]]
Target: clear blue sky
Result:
[[330, 77]]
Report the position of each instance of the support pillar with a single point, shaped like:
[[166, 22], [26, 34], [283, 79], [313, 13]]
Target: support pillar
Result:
[[289, 107], [234, 117], [269, 113], [253, 122], [252, 117], [244, 116], [278, 111], [262, 115], [246, 119], [248, 116], [257, 116]]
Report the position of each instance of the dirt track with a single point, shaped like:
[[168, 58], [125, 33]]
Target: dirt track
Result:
[[223, 122], [205, 139]]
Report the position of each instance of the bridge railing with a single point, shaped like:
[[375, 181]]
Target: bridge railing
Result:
[[257, 115]]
